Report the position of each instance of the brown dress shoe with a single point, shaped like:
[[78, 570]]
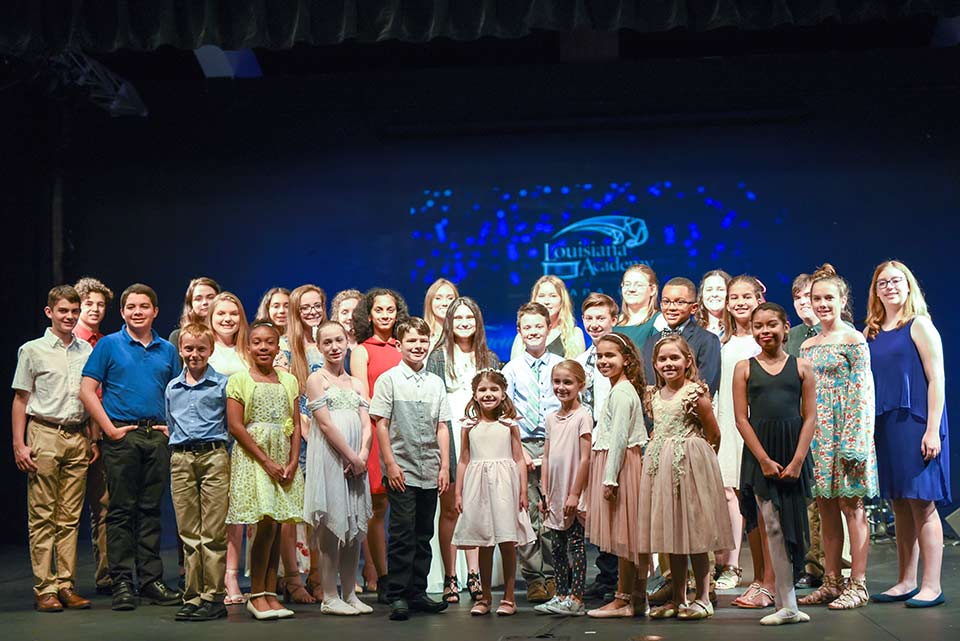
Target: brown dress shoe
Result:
[[71, 599], [48, 603]]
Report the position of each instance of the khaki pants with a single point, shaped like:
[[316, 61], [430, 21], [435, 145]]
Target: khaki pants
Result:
[[536, 559], [200, 488], [97, 502], [54, 504]]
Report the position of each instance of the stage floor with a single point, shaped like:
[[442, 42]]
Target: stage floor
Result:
[[874, 622]]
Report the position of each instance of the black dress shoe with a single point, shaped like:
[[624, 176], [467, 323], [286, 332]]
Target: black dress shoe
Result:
[[808, 581], [124, 597], [208, 611], [157, 593], [423, 603], [399, 610], [186, 612]]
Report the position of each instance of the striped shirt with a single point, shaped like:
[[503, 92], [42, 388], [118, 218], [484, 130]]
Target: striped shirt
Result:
[[530, 388]]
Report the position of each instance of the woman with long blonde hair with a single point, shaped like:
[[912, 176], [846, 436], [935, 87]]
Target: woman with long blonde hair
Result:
[[913, 452], [436, 302], [564, 338]]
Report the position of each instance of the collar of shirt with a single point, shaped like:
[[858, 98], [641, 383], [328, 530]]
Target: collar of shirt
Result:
[[154, 337], [660, 323], [55, 341], [376, 341], [206, 379], [532, 360], [81, 332], [678, 330], [409, 372]]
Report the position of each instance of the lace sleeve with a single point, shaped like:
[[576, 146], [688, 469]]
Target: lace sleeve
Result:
[[692, 396]]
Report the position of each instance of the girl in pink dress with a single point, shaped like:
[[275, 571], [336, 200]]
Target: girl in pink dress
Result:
[[491, 482]]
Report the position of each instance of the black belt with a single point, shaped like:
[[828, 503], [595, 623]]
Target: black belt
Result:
[[65, 427], [198, 447], [141, 423]]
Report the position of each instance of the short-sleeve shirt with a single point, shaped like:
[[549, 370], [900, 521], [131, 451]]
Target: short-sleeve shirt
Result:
[[415, 402], [51, 371], [197, 412], [563, 435], [133, 377]]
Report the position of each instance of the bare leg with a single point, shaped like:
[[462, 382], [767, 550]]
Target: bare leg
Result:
[[260, 550], [678, 568], [376, 535], [508, 554], [473, 559], [908, 548], [486, 571], [291, 569], [234, 546], [856, 518], [732, 557], [270, 576], [927, 524], [448, 522], [369, 569], [832, 535], [701, 574], [625, 584]]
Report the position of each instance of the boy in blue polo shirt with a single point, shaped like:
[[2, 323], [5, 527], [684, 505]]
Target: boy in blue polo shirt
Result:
[[132, 367], [200, 473]]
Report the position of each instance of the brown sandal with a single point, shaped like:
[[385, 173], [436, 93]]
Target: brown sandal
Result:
[[831, 589], [855, 595], [293, 590]]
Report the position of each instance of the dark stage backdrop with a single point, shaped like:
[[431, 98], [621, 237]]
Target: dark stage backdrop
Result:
[[263, 194]]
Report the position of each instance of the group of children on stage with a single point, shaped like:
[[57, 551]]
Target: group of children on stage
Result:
[[654, 440]]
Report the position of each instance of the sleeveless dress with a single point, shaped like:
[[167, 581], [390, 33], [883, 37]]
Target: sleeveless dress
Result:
[[491, 492], [332, 500], [844, 458], [267, 414], [901, 400], [737, 349], [682, 505], [381, 356], [775, 417]]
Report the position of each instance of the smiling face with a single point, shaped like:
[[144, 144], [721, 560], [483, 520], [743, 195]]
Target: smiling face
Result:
[[892, 287], [489, 396], [63, 316], [195, 351], [332, 342], [383, 313], [441, 302], [768, 330], [345, 312], [203, 295], [548, 296], [636, 289], [311, 309], [826, 300], [671, 363], [414, 347], [138, 312], [598, 321], [565, 385], [533, 332], [801, 304], [92, 309], [610, 359], [279, 306], [741, 301], [715, 294], [264, 343], [677, 304], [464, 322], [225, 321]]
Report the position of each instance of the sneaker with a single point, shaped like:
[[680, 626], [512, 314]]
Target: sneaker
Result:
[[568, 607], [547, 608], [551, 587]]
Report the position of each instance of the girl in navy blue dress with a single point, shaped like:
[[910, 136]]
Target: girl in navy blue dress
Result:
[[913, 454]]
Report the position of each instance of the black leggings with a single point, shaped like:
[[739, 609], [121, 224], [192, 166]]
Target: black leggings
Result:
[[571, 573]]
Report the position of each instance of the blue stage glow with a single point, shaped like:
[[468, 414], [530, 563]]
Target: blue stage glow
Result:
[[751, 195]]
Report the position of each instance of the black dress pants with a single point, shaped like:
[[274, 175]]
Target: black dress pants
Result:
[[412, 513]]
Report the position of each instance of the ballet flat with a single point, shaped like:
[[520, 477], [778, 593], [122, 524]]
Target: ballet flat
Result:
[[917, 603], [266, 615], [880, 597], [777, 619], [282, 613]]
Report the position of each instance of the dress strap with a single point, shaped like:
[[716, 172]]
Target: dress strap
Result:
[[318, 403]]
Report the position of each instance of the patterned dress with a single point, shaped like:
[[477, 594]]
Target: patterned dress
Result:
[[844, 458], [267, 415]]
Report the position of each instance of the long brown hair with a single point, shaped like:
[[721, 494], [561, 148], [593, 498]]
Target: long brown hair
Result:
[[506, 409], [296, 332], [187, 315], [729, 323], [428, 314], [632, 365], [263, 310], [916, 304], [482, 356], [827, 272], [702, 315]]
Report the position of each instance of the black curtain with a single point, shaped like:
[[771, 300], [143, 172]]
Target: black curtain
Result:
[[46, 26]]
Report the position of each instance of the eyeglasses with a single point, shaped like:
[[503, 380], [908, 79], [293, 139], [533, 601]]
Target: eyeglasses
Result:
[[676, 303], [891, 282], [316, 307]]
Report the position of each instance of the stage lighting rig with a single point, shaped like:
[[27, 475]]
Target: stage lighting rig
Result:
[[75, 74]]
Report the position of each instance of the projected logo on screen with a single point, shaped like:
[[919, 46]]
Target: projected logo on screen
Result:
[[613, 251]]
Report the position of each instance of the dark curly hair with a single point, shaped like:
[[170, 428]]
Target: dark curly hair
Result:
[[362, 326]]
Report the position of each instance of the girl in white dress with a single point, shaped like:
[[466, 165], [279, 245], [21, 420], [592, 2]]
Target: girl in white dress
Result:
[[491, 487]]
